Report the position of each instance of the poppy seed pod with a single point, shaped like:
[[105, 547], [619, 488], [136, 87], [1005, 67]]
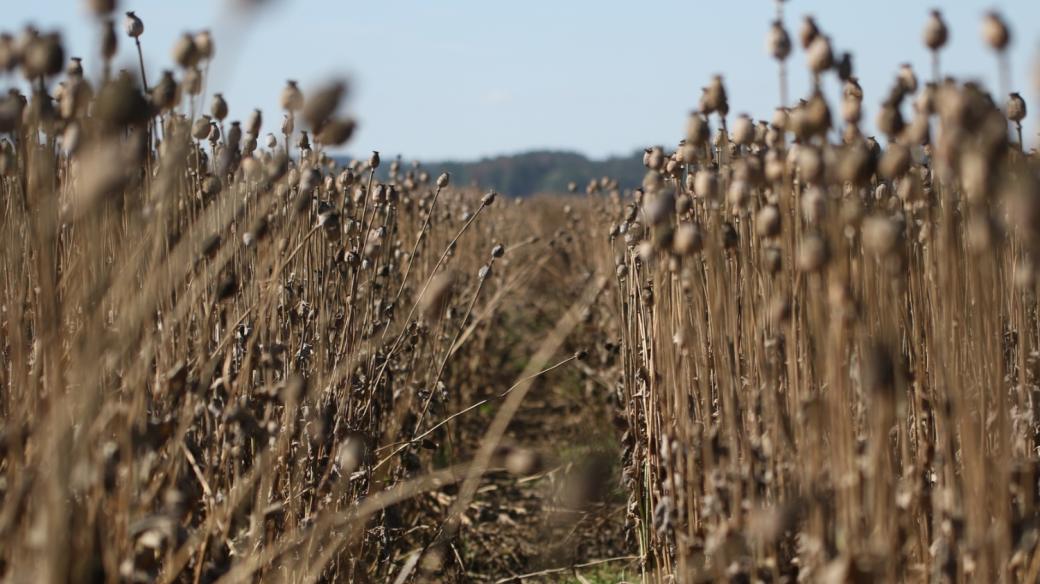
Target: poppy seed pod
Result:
[[164, 94], [43, 56], [234, 135], [109, 39], [336, 132], [812, 254], [767, 221], [373, 160], [488, 199], [323, 103], [133, 25], [890, 120], [192, 81], [819, 55], [743, 130], [102, 7], [288, 124], [697, 130], [808, 33], [271, 141], [778, 43], [204, 44], [1016, 108], [303, 142], [254, 122], [738, 195], [935, 32], [995, 31], [906, 78], [851, 110], [200, 128], [184, 52], [881, 235], [218, 107], [706, 185], [844, 66], [443, 180], [687, 240], [74, 68], [714, 99], [292, 97], [9, 53], [895, 162]]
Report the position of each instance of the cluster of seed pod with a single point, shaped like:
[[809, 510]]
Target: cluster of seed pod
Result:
[[231, 340], [808, 313]]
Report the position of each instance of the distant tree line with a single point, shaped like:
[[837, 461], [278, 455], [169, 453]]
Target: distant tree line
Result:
[[541, 171]]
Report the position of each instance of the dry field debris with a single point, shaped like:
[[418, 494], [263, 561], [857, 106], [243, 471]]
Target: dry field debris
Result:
[[797, 353]]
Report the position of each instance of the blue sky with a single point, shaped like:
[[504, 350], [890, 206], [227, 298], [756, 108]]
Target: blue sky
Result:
[[460, 79]]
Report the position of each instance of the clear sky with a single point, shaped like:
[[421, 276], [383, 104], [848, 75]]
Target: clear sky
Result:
[[460, 79]]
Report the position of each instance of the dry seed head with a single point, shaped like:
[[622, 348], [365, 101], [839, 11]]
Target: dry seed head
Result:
[[271, 141], [772, 260], [292, 97], [184, 52], [688, 239], [713, 99], [895, 162], [192, 81], [778, 43], [218, 107], [337, 131], [881, 235], [488, 199], [323, 103], [74, 68], [810, 163], [9, 53], [204, 44], [164, 94], [697, 130], [935, 32], [1016, 108], [102, 7], [814, 204], [706, 184], [851, 110], [812, 253], [254, 122], [844, 66], [819, 55], [855, 163], [743, 130], [288, 125], [809, 31], [109, 39], [767, 221], [995, 31], [659, 208], [906, 78], [738, 195], [133, 25], [44, 56], [890, 120]]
